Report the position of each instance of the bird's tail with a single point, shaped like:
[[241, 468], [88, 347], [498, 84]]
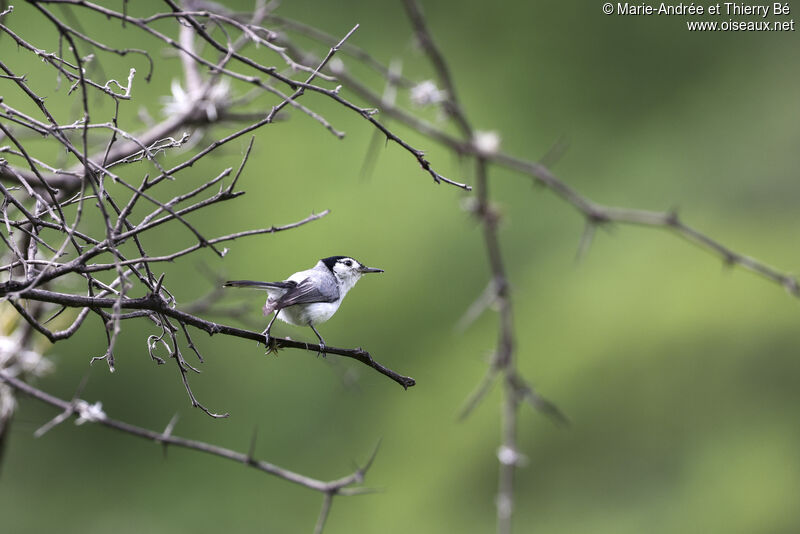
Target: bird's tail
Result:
[[256, 285], [272, 303]]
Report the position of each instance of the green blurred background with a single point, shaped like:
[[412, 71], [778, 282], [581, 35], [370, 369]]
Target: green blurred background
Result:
[[679, 375]]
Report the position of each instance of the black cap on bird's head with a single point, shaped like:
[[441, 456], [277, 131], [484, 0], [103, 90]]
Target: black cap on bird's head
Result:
[[347, 261], [331, 261]]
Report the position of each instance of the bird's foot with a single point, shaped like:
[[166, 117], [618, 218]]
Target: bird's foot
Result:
[[321, 351], [270, 344]]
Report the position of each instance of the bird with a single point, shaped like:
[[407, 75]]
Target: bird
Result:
[[310, 297]]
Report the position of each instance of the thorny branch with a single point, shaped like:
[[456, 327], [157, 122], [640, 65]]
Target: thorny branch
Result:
[[160, 306], [271, 72], [503, 363], [347, 485], [56, 260], [484, 147], [68, 188]]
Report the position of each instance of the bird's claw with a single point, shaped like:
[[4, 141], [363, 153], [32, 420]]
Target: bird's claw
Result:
[[270, 344]]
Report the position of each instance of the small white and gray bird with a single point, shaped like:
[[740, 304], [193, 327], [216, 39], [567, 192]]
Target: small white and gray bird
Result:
[[310, 297]]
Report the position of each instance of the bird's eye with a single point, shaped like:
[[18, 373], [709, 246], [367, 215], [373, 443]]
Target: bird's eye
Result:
[[348, 263]]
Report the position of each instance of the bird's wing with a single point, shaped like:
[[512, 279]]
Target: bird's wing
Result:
[[260, 285], [306, 292]]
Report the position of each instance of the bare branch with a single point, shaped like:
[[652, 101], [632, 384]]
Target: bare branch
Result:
[[167, 438], [157, 304], [327, 501], [503, 361]]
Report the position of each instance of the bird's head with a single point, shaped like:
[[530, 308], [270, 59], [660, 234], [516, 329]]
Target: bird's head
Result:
[[347, 270]]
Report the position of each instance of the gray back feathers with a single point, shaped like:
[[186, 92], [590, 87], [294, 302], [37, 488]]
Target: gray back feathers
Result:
[[305, 287]]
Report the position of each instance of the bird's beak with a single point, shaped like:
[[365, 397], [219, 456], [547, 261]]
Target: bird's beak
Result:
[[364, 269]]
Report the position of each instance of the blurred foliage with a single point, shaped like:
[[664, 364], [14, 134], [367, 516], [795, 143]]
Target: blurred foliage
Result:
[[679, 376]]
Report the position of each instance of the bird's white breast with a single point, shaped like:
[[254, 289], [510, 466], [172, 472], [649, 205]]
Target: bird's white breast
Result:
[[306, 314]]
